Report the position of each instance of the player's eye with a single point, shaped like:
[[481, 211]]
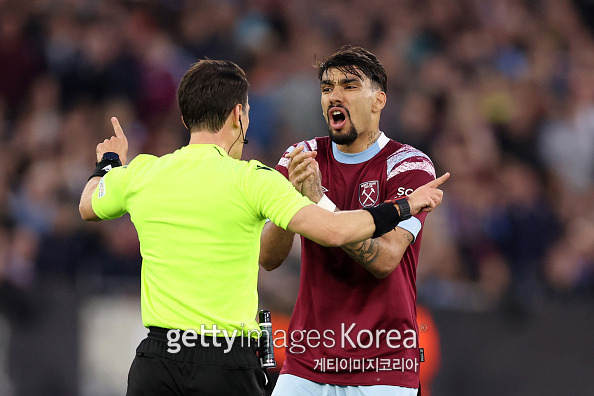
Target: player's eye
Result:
[[326, 89]]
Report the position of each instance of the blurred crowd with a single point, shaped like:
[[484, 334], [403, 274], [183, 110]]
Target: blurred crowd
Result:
[[498, 92]]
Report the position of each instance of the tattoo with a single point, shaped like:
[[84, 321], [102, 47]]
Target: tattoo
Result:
[[373, 136], [409, 237], [365, 252]]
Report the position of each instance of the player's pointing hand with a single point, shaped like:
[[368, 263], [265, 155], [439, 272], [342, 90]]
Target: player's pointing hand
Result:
[[428, 196], [440, 180]]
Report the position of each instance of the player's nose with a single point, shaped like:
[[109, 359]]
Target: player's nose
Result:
[[336, 96]]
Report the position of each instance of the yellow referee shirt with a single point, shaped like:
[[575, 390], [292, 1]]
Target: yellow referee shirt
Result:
[[199, 214]]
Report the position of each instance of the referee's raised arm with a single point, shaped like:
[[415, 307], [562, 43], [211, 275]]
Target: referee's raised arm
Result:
[[111, 153]]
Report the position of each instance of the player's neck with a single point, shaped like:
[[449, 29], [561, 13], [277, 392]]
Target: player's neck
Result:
[[362, 143]]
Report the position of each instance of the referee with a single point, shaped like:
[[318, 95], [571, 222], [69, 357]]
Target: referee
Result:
[[199, 212]]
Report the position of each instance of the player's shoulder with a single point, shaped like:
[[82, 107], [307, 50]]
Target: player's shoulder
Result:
[[314, 144], [397, 151], [310, 145], [403, 158]]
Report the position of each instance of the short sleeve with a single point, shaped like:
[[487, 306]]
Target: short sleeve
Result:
[[108, 198], [272, 195], [403, 179]]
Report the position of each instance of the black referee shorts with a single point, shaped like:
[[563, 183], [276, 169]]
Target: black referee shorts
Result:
[[199, 370]]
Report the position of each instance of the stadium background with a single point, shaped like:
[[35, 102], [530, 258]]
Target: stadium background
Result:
[[498, 92]]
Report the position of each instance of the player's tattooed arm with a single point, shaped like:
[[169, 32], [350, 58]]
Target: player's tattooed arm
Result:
[[380, 256], [365, 253], [409, 237]]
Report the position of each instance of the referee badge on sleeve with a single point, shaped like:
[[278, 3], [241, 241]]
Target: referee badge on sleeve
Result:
[[101, 188]]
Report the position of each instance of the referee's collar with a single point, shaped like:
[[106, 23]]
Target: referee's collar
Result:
[[206, 147], [365, 155]]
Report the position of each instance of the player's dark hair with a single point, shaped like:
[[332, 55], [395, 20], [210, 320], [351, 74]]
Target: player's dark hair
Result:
[[355, 60], [209, 91]]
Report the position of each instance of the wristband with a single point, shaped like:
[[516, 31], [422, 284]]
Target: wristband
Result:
[[109, 161], [386, 218], [326, 203], [404, 207]]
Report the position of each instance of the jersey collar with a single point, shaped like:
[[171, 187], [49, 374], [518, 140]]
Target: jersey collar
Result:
[[365, 155], [207, 148]]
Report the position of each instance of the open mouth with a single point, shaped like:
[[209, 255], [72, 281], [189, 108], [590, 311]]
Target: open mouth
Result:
[[337, 117]]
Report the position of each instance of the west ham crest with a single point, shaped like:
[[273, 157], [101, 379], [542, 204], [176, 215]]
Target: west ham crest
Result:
[[368, 193]]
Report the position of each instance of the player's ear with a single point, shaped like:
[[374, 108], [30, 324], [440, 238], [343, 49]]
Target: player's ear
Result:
[[380, 101]]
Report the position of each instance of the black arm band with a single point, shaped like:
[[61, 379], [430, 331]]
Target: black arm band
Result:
[[105, 165], [386, 218]]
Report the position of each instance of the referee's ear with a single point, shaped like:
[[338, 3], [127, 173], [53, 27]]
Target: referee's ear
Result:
[[184, 122], [236, 113]]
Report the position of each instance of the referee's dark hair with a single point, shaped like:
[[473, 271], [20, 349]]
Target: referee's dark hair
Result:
[[355, 60], [209, 91]]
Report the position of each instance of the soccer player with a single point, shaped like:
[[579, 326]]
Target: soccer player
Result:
[[357, 302], [199, 213]]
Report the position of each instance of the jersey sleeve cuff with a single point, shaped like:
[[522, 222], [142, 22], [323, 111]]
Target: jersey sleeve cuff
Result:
[[412, 225]]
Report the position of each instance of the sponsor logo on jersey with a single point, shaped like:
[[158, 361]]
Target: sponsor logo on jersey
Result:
[[368, 193], [404, 191]]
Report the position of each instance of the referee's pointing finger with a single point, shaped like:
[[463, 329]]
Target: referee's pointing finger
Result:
[[119, 132]]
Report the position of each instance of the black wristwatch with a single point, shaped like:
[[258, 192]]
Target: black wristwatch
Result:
[[111, 156], [404, 208], [109, 161]]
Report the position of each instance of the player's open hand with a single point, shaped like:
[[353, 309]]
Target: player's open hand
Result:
[[312, 185], [428, 196], [116, 144], [304, 173]]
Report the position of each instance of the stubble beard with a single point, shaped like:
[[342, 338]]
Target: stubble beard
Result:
[[343, 138]]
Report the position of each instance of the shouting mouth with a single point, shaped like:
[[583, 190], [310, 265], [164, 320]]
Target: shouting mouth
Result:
[[337, 117]]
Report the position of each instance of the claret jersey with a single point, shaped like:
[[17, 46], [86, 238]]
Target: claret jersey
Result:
[[348, 327]]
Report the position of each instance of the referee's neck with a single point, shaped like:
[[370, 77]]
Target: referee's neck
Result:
[[222, 138], [206, 137]]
